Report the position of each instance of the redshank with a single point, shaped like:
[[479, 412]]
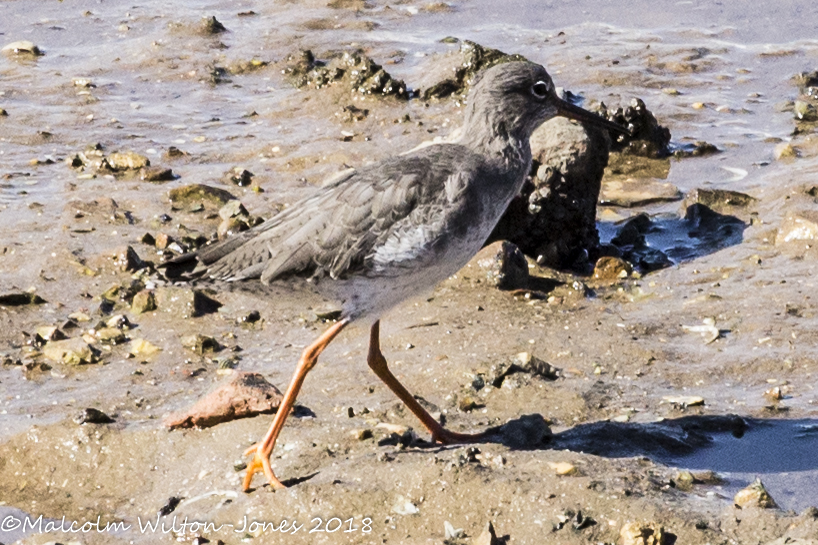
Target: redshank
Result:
[[394, 229]]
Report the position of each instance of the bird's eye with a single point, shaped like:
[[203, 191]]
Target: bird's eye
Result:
[[540, 89]]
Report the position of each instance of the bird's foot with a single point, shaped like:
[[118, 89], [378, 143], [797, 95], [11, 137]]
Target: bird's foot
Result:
[[260, 462]]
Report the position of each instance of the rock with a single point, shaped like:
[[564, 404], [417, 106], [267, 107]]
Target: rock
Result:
[[630, 240], [562, 468], [110, 335], [646, 137], [241, 177], [453, 74], [404, 506], [528, 363], [93, 416], [804, 111], [352, 69], [140, 348], [49, 333], [450, 532], [698, 148], [554, 219], [119, 321], [784, 150], [22, 47], [798, 227], [722, 201], [467, 402], [128, 160], [18, 299], [642, 533], [211, 26], [189, 195], [755, 495], [70, 351], [527, 431], [232, 209], [156, 174], [637, 192], [609, 270], [684, 401], [201, 343], [143, 301], [245, 395], [230, 226], [504, 264], [684, 480], [488, 536], [185, 302], [126, 259], [362, 435]]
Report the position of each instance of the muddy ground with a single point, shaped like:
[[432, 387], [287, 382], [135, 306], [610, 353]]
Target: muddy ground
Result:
[[150, 77]]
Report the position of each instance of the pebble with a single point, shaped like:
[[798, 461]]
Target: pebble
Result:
[[755, 495], [201, 343], [610, 269], [22, 47], [144, 301], [403, 506], [562, 468], [684, 401], [17, 299], [142, 348], [70, 351], [110, 335], [128, 160], [784, 150], [505, 265], [191, 194], [93, 416], [244, 395], [488, 536], [797, 227], [642, 533], [637, 192], [450, 532], [535, 366], [49, 333]]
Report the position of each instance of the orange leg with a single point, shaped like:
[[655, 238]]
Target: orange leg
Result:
[[378, 364], [261, 451]]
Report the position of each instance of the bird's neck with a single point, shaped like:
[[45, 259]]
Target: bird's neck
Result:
[[506, 150]]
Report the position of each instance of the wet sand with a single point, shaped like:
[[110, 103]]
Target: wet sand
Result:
[[159, 81]]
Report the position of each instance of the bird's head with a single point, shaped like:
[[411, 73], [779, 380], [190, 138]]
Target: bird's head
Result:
[[514, 98]]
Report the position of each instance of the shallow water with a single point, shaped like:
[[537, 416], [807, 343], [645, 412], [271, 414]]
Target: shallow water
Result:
[[783, 453]]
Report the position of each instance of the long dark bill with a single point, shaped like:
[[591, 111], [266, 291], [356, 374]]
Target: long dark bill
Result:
[[566, 109]]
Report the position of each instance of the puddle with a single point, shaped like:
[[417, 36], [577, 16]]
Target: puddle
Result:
[[783, 453]]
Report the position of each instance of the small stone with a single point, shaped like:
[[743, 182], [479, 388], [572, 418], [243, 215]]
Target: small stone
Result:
[[49, 333], [362, 435], [201, 343], [157, 174], [804, 111], [798, 227], [232, 209], [143, 301], [189, 195], [118, 321], [637, 192], [404, 506], [642, 533], [467, 403], [755, 495], [18, 299], [126, 259], [229, 227], [684, 480], [774, 394], [611, 269], [148, 239], [211, 25], [93, 416], [163, 240], [79, 317], [527, 431], [128, 160], [505, 265], [140, 348], [784, 150], [241, 177], [246, 395], [684, 401], [70, 351], [562, 468], [722, 201], [488, 536], [22, 47], [450, 532], [533, 365], [110, 335]]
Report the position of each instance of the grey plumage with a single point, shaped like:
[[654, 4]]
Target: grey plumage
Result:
[[387, 231]]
